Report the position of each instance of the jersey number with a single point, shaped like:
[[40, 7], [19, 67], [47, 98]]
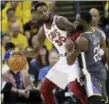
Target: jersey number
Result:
[[60, 40], [97, 56]]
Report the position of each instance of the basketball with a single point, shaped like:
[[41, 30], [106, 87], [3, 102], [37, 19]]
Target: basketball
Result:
[[17, 62]]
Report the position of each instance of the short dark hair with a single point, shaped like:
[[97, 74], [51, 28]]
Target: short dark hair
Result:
[[10, 9], [86, 16], [40, 4], [9, 45]]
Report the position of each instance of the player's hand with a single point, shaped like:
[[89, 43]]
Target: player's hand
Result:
[[20, 52], [70, 46]]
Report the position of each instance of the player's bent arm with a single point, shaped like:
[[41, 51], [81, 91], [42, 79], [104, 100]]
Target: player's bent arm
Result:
[[37, 42], [81, 45], [66, 25]]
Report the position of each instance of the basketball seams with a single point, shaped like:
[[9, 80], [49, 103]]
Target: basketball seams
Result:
[[22, 63], [14, 64], [17, 61]]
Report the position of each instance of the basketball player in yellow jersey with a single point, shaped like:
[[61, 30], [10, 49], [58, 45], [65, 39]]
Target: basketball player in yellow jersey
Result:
[[56, 29]]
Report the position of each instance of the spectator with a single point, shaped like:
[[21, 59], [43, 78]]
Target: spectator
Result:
[[26, 16], [5, 67], [107, 33], [95, 17], [106, 9], [17, 38], [3, 3], [53, 58], [10, 47], [18, 88], [18, 80], [38, 63], [96, 20], [13, 4], [51, 5], [48, 44], [17, 6], [5, 39], [32, 27], [108, 41], [34, 3], [11, 19]]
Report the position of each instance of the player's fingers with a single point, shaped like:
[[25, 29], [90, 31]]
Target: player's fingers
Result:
[[70, 46]]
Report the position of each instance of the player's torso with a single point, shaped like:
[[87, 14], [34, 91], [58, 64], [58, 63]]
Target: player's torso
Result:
[[56, 35], [92, 55]]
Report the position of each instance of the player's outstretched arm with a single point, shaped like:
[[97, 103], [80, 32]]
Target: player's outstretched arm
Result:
[[37, 42], [75, 48], [66, 25]]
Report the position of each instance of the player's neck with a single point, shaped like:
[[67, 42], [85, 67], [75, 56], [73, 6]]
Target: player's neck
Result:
[[49, 23], [87, 28]]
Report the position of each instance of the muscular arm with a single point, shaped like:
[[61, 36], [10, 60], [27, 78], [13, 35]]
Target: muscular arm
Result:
[[37, 42], [81, 45], [64, 24]]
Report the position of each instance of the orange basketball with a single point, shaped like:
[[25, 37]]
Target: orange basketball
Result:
[[17, 62]]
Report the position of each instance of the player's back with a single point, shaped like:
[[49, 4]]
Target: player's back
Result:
[[93, 58]]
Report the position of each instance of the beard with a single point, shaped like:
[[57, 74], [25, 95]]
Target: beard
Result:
[[48, 19]]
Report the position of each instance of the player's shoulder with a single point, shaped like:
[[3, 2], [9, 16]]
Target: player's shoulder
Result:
[[82, 43], [61, 22], [60, 18], [101, 32], [81, 39]]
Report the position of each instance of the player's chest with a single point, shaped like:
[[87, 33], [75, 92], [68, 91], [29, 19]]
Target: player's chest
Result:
[[57, 36]]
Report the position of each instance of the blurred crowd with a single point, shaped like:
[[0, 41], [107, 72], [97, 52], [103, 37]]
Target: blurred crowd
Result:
[[19, 24]]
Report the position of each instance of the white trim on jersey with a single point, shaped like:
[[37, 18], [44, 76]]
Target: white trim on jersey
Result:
[[88, 77]]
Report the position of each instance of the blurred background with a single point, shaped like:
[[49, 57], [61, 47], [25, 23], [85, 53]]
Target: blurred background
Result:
[[24, 13], [19, 24]]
